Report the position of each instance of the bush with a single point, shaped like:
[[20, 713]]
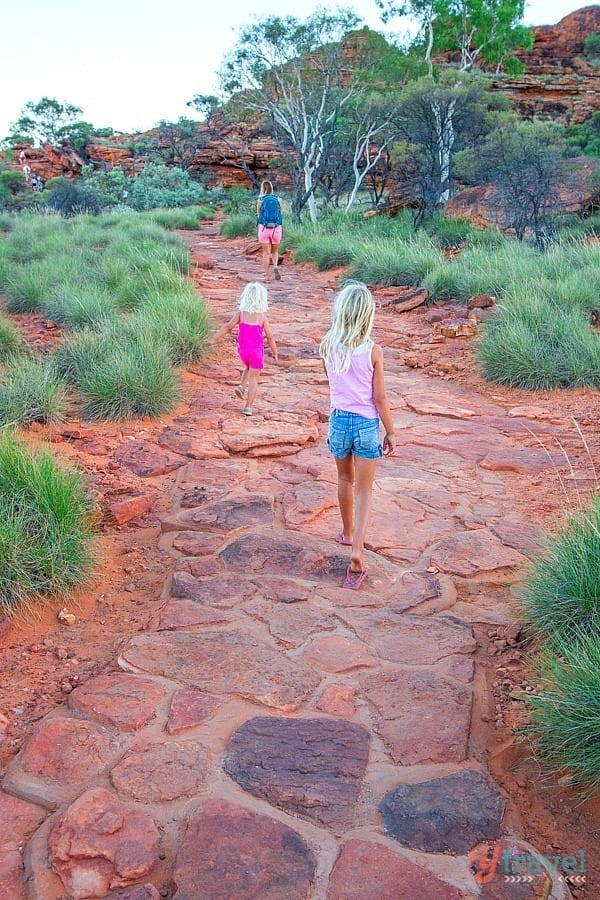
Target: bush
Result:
[[81, 307], [11, 342], [565, 713], [561, 596], [46, 527], [396, 262], [31, 391], [160, 186], [130, 380], [239, 225], [179, 321], [187, 218], [72, 197]]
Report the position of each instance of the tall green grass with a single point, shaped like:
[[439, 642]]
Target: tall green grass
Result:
[[46, 527], [11, 342], [30, 391]]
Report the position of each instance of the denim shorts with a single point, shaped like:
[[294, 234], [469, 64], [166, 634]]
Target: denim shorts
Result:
[[351, 433]]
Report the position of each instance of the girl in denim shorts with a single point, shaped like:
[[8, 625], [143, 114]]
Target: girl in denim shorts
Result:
[[354, 367]]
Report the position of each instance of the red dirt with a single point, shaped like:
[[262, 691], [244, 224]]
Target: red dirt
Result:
[[42, 659]]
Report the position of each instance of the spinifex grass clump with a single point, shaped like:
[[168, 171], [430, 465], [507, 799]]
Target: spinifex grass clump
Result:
[[11, 342], [565, 711], [31, 391], [46, 527], [562, 595]]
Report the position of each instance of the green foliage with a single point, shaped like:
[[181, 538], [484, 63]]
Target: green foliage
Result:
[[396, 262], [45, 122], [239, 225], [179, 322], [69, 198], [585, 137], [30, 391], [564, 712], [11, 342], [591, 47], [189, 217], [163, 186], [561, 597], [46, 528]]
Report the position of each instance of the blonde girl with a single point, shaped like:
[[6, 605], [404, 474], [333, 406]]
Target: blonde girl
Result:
[[358, 402], [269, 210], [253, 327]]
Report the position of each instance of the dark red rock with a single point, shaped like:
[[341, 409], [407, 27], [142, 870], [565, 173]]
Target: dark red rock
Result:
[[147, 460], [186, 614], [222, 593], [122, 511], [449, 814], [196, 543], [69, 750], [366, 870], [408, 639], [19, 818], [229, 852], [12, 883], [308, 767], [100, 843], [124, 700]]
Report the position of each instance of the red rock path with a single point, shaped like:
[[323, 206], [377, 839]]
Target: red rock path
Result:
[[275, 735]]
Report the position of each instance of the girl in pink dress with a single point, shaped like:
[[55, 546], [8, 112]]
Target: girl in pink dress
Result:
[[253, 327]]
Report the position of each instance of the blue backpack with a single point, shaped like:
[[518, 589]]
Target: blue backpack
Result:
[[270, 212]]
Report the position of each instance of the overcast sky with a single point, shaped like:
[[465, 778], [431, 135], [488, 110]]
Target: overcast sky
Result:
[[129, 63]]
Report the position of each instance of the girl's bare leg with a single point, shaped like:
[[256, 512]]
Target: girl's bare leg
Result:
[[363, 491], [266, 258], [252, 386], [274, 254], [345, 472], [244, 377]]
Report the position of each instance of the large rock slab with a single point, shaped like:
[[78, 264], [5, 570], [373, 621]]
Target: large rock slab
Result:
[[147, 460], [365, 870], [189, 708], [223, 516], [223, 592], [12, 884], [160, 772], [262, 436], [410, 640], [100, 843], [308, 767], [474, 553], [126, 701], [229, 662], [193, 441], [422, 716], [449, 814], [228, 852], [61, 756]]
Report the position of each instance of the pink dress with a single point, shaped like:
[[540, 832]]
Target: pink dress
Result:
[[251, 348]]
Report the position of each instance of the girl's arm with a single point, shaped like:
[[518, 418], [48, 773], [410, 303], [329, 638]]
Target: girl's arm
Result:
[[270, 338], [225, 329], [380, 399]]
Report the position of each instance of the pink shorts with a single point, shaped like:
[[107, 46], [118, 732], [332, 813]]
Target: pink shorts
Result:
[[269, 235]]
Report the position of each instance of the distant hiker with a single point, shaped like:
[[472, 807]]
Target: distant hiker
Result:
[[253, 327], [269, 210], [354, 366]]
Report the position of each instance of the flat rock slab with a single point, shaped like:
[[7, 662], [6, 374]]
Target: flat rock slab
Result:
[[160, 772], [193, 543], [100, 843], [523, 460], [308, 767], [190, 708], [123, 700], [291, 627], [526, 537], [449, 814], [195, 442], [229, 662], [228, 852], [147, 460], [422, 716], [244, 511], [410, 640], [261, 436], [19, 818], [63, 753], [188, 614], [223, 592], [365, 870], [474, 553]]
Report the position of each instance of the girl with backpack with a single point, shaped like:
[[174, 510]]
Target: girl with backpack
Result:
[[269, 210]]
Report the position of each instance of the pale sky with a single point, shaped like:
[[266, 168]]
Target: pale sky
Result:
[[129, 63]]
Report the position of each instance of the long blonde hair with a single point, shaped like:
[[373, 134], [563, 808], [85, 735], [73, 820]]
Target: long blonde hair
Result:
[[254, 298], [351, 326], [266, 188]]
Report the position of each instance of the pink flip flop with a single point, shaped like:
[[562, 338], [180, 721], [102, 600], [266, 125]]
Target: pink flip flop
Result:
[[355, 579], [342, 540]]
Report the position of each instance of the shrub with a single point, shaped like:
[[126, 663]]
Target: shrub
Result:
[[239, 225], [46, 527], [565, 712], [11, 342], [72, 197], [130, 380], [162, 186], [561, 597], [31, 391]]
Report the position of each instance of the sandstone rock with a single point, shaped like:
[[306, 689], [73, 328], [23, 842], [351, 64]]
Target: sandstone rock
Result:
[[194, 543], [501, 867], [190, 708], [335, 653], [366, 870], [407, 639], [122, 511], [480, 301], [456, 327], [338, 700], [100, 843], [449, 814], [187, 614], [160, 772], [194, 442], [523, 460], [12, 884], [308, 767], [20, 818], [422, 716], [474, 552], [230, 852], [123, 700], [229, 662], [262, 436], [526, 537], [146, 460], [224, 592]]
